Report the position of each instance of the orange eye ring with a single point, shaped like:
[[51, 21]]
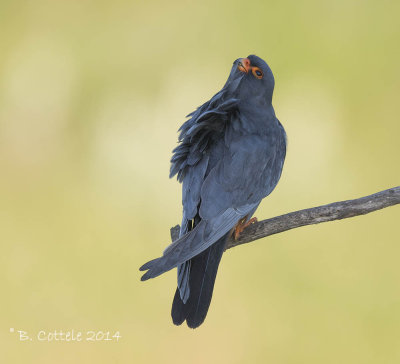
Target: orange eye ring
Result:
[[257, 73]]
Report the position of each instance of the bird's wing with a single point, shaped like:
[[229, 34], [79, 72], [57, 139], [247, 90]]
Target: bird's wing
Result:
[[206, 233], [231, 191], [190, 160], [245, 174]]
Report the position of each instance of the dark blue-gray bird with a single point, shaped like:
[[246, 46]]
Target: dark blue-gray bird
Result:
[[230, 156]]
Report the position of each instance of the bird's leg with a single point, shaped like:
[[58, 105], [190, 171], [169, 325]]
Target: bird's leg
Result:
[[241, 225]]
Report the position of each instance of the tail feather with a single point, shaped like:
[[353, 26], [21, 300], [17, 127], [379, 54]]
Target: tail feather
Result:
[[202, 274], [183, 280]]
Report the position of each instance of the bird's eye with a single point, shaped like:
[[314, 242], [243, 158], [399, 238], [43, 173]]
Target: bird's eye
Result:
[[257, 73]]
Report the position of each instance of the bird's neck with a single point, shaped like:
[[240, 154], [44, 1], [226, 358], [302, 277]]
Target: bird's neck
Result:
[[255, 118]]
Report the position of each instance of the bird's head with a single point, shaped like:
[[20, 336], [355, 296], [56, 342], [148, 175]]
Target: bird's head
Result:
[[251, 78]]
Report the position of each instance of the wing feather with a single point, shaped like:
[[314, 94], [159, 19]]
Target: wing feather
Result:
[[197, 240]]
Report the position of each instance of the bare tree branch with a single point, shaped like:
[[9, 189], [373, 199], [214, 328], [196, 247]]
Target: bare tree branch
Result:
[[315, 215]]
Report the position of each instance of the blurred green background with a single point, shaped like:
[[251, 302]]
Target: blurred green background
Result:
[[91, 96]]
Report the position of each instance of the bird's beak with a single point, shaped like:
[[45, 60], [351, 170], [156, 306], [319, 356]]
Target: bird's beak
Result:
[[244, 65]]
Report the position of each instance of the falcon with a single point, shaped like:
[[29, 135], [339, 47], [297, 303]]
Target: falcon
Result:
[[230, 156]]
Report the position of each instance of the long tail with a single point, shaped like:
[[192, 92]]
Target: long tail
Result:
[[202, 274]]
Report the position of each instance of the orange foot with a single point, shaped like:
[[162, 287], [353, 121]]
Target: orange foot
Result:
[[241, 225]]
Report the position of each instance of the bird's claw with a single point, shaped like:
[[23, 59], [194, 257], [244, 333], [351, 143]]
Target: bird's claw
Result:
[[241, 225]]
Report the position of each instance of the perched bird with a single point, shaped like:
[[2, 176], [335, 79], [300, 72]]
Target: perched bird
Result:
[[230, 156]]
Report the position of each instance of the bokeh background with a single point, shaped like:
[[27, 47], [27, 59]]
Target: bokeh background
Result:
[[91, 96]]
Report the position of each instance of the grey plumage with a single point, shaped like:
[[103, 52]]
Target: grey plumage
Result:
[[230, 156]]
